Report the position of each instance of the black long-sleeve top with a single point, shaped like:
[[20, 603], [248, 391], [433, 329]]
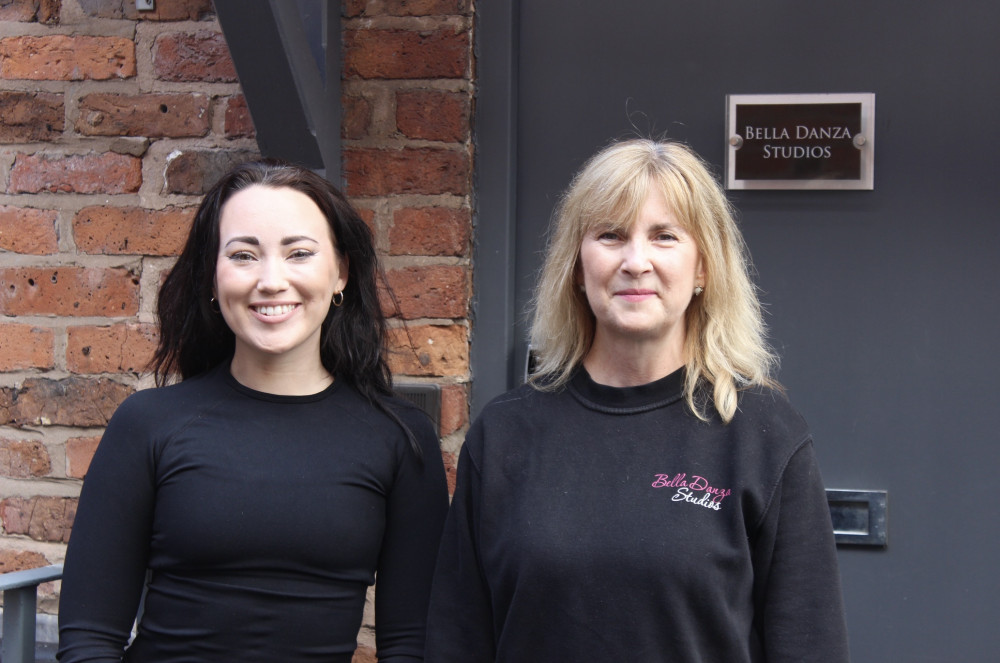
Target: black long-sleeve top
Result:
[[263, 519], [604, 524]]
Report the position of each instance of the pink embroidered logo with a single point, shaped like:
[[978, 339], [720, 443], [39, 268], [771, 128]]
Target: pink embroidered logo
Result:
[[697, 490]]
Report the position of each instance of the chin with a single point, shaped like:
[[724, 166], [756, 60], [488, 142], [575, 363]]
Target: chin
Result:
[[271, 349]]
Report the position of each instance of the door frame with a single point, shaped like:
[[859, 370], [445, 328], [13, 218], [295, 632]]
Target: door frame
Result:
[[493, 304]]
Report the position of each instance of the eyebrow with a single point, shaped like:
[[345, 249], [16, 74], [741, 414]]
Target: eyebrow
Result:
[[285, 241], [655, 228]]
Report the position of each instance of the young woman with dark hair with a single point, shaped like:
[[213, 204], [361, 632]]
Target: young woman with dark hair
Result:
[[258, 498]]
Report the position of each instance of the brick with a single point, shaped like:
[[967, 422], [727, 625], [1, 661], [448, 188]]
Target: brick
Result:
[[454, 408], [429, 350], [368, 8], [238, 122], [193, 57], [23, 459], [121, 348], [132, 230], [26, 117], [150, 115], [73, 401], [71, 291], [433, 115], [67, 58], [22, 11], [450, 470], [20, 560], [79, 173], [49, 11], [439, 291], [194, 172], [41, 518], [373, 172], [79, 453], [368, 216], [405, 54], [430, 231], [26, 346], [356, 118], [165, 10], [27, 11], [27, 230]]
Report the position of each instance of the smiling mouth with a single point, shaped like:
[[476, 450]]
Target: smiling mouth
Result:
[[635, 294], [274, 310]]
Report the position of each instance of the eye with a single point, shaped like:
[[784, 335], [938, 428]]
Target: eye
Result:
[[242, 256], [301, 254], [608, 235], [665, 236]]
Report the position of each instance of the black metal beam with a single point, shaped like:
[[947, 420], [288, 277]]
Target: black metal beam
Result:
[[295, 107]]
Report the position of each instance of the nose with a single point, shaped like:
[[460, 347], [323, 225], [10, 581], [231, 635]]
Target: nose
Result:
[[272, 276], [635, 258]]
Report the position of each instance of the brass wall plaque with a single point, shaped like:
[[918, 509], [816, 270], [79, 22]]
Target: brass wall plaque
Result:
[[800, 141]]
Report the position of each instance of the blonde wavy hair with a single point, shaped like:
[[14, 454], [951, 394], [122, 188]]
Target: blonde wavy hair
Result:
[[726, 344]]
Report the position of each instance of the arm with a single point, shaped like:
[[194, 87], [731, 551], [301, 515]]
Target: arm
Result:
[[460, 621], [415, 513], [799, 611], [109, 546]]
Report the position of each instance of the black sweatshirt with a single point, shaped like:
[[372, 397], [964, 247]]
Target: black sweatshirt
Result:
[[263, 519], [605, 524]]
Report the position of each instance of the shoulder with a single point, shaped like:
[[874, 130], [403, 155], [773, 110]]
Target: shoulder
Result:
[[519, 399], [766, 414], [353, 403], [514, 418], [415, 418], [191, 389], [147, 420], [519, 407], [169, 406], [388, 421], [767, 404]]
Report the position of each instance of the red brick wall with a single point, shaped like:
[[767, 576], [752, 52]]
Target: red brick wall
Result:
[[112, 123], [408, 77], [407, 108]]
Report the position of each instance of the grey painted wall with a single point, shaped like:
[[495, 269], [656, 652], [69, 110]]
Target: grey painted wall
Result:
[[884, 304]]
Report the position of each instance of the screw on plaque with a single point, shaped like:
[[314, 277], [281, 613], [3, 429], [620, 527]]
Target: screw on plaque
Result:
[[145, 5], [859, 141], [736, 141]]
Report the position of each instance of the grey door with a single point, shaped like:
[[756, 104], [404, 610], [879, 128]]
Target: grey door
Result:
[[884, 304]]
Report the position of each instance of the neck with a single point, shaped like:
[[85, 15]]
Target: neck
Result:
[[280, 375], [631, 362]]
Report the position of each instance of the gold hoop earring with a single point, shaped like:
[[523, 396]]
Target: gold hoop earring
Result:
[[338, 298]]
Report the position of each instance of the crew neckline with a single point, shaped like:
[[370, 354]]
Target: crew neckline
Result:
[[276, 398], [627, 400]]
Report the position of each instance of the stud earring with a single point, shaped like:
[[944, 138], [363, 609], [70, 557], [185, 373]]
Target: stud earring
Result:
[[698, 290]]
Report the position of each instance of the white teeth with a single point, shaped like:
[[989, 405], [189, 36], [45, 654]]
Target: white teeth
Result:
[[275, 310]]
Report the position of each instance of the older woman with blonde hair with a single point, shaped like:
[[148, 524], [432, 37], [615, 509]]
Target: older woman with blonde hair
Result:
[[650, 495]]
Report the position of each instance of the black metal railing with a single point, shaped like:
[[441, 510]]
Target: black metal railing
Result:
[[20, 597]]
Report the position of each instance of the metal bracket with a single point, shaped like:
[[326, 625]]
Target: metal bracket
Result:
[[860, 517], [145, 5], [20, 590]]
